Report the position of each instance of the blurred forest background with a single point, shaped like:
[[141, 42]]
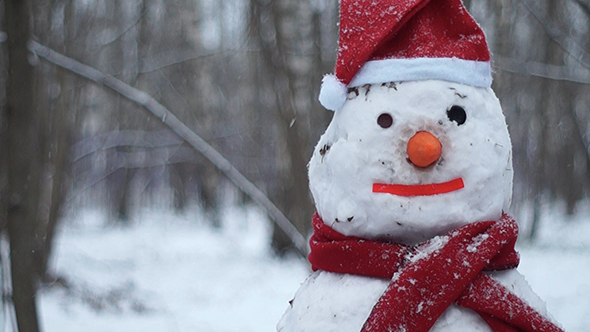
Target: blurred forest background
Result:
[[245, 75]]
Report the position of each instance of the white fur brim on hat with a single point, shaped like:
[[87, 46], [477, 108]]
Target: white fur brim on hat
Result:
[[475, 73]]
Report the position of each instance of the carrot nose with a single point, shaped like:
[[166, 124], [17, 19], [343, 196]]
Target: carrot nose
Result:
[[424, 149]]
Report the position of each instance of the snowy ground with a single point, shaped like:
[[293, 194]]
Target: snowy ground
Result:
[[171, 273], [557, 266]]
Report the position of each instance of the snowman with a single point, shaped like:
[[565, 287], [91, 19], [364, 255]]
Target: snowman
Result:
[[411, 181]]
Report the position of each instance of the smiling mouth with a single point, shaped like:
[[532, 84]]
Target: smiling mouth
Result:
[[419, 189]]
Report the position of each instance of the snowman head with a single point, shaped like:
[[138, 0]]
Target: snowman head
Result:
[[409, 160], [418, 144]]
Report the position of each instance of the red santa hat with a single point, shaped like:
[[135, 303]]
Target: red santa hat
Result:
[[405, 40]]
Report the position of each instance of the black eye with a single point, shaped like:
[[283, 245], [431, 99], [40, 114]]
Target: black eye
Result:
[[385, 120], [457, 114]]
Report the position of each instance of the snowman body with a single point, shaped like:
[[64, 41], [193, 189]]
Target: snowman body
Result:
[[333, 302], [366, 145]]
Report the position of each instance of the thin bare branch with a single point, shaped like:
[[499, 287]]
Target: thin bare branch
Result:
[[161, 112], [561, 73], [166, 60], [585, 5], [568, 44], [135, 138], [122, 33]]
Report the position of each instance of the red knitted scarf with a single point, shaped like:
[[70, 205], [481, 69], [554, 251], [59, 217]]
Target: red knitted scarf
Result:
[[427, 278]]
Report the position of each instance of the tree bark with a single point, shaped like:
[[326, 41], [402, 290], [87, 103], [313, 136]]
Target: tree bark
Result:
[[61, 165], [23, 167], [543, 117], [293, 195]]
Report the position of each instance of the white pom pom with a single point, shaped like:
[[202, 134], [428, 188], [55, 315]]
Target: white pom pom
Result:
[[332, 93]]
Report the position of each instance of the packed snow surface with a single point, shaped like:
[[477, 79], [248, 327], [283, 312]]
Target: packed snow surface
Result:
[[169, 273], [176, 273]]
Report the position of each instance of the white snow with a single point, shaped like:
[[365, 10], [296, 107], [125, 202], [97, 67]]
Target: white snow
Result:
[[175, 273], [557, 265], [169, 273], [428, 248]]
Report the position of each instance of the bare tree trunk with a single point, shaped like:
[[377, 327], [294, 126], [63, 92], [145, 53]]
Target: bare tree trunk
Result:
[[177, 176], [467, 4], [56, 152], [23, 167], [61, 165], [293, 195], [124, 198], [544, 112]]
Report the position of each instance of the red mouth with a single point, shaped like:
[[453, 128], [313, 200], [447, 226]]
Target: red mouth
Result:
[[419, 189]]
